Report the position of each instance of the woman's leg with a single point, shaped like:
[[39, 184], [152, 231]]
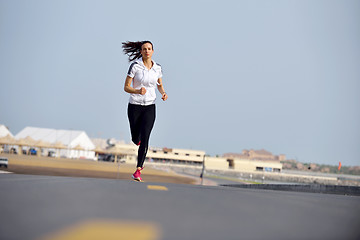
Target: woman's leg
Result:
[[134, 115], [147, 123]]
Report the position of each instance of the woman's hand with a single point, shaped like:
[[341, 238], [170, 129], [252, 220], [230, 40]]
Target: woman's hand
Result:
[[142, 91], [161, 89]]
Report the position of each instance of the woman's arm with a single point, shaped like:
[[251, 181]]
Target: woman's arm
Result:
[[160, 87], [129, 89]]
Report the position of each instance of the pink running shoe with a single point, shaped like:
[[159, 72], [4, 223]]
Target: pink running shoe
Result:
[[136, 176]]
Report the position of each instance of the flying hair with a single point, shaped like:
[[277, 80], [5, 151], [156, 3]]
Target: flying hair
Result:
[[133, 49]]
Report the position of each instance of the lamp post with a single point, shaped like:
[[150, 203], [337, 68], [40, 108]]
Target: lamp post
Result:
[[203, 170]]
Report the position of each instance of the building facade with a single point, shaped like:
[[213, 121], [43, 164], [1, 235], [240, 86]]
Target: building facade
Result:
[[247, 162]]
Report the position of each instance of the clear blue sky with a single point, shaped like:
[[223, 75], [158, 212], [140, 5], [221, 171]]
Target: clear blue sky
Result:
[[278, 75]]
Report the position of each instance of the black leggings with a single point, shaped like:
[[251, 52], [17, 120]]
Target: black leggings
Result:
[[141, 119]]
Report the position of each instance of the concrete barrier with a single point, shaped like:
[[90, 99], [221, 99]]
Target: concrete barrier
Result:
[[312, 188]]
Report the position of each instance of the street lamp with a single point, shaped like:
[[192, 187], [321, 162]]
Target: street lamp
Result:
[[203, 170]]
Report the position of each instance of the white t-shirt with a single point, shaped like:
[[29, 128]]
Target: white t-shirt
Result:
[[143, 77]]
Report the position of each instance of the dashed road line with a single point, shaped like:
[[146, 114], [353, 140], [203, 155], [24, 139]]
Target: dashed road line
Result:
[[157, 187], [107, 229]]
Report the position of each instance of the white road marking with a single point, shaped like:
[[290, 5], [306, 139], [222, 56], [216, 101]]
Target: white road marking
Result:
[[40, 178]]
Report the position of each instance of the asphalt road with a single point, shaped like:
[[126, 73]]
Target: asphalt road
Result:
[[50, 207]]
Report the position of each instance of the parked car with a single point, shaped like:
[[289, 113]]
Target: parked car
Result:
[[122, 160], [4, 162], [51, 154], [32, 151], [13, 151], [106, 157]]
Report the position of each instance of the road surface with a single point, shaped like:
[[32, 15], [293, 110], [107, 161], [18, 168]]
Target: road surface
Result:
[[53, 207]]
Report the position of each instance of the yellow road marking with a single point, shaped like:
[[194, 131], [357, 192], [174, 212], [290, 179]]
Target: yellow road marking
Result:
[[157, 187], [109, 230]]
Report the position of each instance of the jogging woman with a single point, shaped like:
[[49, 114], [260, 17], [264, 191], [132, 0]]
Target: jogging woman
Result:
[[143, 77]]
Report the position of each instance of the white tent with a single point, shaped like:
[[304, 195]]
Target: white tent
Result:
[[70, 138], [4, 131]]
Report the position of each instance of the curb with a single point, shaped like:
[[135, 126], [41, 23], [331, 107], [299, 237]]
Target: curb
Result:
[[313, 188]]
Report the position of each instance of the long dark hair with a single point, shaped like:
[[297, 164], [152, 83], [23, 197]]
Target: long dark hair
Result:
[[133, 49]]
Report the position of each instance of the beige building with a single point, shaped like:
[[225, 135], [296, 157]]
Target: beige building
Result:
[[244, 165], [128, 152], [247, 162], [176, 156], [262, 155]]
